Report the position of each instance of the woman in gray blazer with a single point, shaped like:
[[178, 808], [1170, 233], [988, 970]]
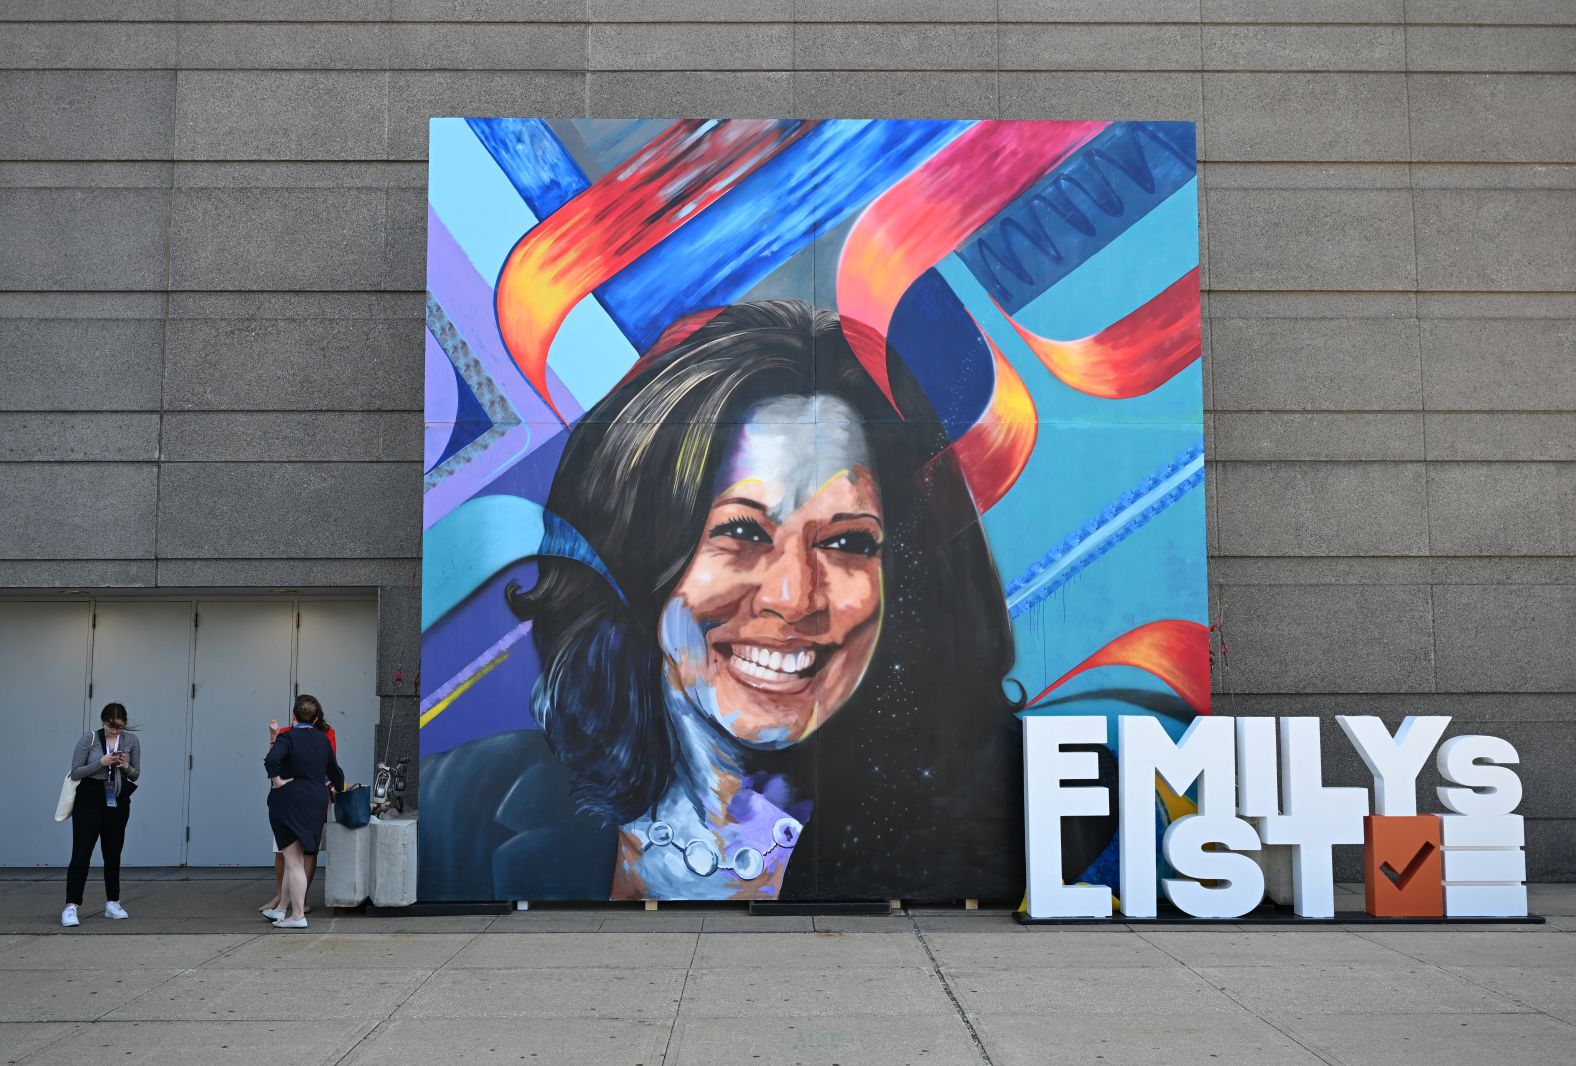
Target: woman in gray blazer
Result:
[[106, 765]]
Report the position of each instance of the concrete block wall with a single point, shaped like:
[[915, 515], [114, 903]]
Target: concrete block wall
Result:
[[212, 266]]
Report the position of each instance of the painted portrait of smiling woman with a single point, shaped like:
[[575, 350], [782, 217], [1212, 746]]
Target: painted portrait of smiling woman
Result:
[[797, 683]]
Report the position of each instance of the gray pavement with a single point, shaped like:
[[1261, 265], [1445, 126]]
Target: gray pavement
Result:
[[194, 978]]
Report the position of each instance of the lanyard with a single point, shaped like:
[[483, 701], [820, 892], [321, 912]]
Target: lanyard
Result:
[[109, 779]]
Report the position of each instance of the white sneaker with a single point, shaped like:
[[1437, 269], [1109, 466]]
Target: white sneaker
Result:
[[68, 917], [290, 923], [113, 909], [274, 915]]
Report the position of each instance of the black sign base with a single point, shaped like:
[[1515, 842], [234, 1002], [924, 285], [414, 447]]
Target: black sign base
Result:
[[1274, 916]]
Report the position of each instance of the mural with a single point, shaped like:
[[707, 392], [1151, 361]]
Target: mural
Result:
[[773, 468]]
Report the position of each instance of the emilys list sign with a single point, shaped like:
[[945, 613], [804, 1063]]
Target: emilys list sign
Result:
[[1261, 802]]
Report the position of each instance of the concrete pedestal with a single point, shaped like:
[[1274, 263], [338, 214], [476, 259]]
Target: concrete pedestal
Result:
[[393, 862], [1275, 860], [348, 873]]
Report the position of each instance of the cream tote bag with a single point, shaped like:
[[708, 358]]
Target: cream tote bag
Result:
[[68, 799]]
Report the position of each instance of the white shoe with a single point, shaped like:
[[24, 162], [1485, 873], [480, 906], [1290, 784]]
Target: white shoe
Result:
[[290, 923], [68, 917], [274, 915], [113, 909]]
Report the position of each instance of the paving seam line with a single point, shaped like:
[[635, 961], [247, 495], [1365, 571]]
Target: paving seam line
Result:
[[1282, 1030], [176, 976], [1475, 984], [380, 1025], [946, 986], [76, 1028], [678, 1007], [372, 1030], [229, 950]]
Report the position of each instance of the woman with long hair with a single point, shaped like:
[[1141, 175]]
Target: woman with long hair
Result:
[[106, 765], [271, 910], [793, 684], [300, 761]]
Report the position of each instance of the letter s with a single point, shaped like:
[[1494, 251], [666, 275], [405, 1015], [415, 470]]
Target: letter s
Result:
[[1477, 765], [1243, 887]]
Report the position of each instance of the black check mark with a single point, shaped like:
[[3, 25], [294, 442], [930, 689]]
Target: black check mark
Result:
[[1401, 879]]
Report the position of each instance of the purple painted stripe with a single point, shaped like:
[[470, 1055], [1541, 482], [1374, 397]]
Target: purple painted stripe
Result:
[[488, 463], [467, 298], [442, 401], [509, 640]]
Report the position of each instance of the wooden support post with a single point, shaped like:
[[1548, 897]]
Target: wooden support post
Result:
[[651, 904], [971, 904]]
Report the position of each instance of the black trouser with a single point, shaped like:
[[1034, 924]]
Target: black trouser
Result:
[[94, 823]]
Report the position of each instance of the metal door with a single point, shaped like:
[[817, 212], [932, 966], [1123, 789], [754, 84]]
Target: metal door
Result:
[[337, 662], [142, 658], [43, 699], [242, 671]]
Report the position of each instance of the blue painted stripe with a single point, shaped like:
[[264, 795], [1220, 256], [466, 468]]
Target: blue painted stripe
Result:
[[472, 197], [1138, 265], [1102, 189], [942, 347], [589, 353], [466, 547], [1106, 530], [726, 250], [537, 164]]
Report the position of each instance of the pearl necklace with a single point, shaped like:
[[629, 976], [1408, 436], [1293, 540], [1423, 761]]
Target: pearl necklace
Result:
[[702, 858]]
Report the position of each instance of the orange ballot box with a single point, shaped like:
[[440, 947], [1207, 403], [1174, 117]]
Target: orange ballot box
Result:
[[1403, 866]]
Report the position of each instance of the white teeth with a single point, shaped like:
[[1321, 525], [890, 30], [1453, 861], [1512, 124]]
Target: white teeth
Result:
[[770, 665]]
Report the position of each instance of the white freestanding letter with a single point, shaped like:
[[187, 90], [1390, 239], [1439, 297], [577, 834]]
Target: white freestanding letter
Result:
[[1477, 767], [1484, 863], [1258, 789], [1394, 762], [1206, 750], [1313, 819], [1243, 881], [1046, 800]]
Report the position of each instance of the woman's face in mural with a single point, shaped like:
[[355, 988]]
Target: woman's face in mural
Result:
[[775, 620]]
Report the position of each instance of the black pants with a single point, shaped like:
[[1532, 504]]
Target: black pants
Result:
[[94, 823]]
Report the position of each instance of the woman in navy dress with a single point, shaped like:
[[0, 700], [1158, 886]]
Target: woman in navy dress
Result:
[[298, 764]]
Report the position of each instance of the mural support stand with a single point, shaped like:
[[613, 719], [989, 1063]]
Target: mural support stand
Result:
[[819, 908], [436, 909]]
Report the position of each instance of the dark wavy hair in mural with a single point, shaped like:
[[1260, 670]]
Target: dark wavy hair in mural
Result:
[[736, 484]]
